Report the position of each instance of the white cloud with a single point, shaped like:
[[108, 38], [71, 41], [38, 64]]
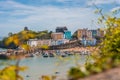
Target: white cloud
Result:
[[97, 2], [11, 5], [115, 9], [64, 0], [45, 17], [71, 2]]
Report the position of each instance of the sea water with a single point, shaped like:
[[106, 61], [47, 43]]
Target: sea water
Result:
[[38, 66]]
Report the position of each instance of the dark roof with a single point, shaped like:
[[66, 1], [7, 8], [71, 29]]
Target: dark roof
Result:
[[65, 28]]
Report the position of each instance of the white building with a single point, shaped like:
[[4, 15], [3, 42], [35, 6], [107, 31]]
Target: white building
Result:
[[48, 42], [44, 42], [32, 42], [59, 42]]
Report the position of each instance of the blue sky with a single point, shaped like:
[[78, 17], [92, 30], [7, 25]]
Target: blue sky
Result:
[[41, 15]]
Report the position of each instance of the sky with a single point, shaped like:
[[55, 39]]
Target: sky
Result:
[[41, 15]]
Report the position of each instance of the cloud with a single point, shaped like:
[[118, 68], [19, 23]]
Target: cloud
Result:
[[72, 3], [99, 2], [9, 4], [44, 17], [115, 9], [66, 0]]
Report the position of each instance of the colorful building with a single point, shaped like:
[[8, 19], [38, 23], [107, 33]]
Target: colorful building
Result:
[[83, 33], [89, 34], [89, 42], [53, 42], [94, 33], [38, 43], [79, 33], [59, 42], [57, 36], [44, 42], [67, 34]]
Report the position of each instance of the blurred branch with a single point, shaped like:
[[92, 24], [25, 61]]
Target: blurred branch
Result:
[[100, 11], [17, 70]]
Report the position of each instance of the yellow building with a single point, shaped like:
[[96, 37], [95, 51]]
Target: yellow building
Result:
[[82, 33], [79, 34]]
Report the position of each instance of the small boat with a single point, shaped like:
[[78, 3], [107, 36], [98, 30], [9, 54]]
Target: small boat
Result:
[[45, 55], [51, 55], [29, 55], [63, 55], [69, 53]]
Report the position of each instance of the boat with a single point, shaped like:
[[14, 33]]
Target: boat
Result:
[[45, 55], [51, 55]]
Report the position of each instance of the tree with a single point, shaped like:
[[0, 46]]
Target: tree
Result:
[[26, 28], [108, 55], [111, 43], [10, 34], [19, 39]]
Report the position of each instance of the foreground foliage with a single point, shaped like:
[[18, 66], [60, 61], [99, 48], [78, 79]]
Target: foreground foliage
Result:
[[108, 55], [11, 72]]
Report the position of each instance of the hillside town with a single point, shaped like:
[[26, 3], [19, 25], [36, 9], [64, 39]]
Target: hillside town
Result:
[[62, 36], [61, 41]]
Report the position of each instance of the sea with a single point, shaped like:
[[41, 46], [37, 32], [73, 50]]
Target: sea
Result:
[[38, 66]]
